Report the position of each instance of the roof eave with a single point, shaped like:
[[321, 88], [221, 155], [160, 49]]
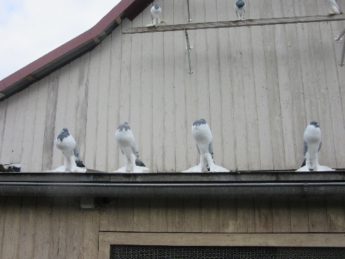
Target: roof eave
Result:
[[71, 49]]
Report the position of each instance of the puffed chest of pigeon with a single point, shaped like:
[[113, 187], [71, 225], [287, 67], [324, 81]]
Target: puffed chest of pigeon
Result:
[[129, 150], [204, 142], [66, 143], [312, 147]]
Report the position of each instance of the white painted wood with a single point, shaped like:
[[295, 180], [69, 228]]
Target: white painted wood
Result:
[[27, 143], [273, 97], [191, 92], [82, 104], [19, 122], [258, 87], [180, 72], [114, 99], [61, 108], [214, 87], [146, 119], [124, 91], [158, 102], [103, 85], [3, 110], [266, 152], [241, 143], [136, 85], [169, 155], [286, 103], [227, 114], [250, 101], [38, 134], [340, 74], [334, 94], [9, 132], [91, 125]]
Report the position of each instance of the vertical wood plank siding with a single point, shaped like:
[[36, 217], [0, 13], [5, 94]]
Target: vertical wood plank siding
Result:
[[258, 87], [54, 228]]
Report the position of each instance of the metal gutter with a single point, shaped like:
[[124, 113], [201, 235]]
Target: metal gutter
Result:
[[176, 185]]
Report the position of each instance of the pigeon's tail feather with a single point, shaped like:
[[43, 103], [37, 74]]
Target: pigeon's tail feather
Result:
[[304, 163], [79, 163], [138, 162]]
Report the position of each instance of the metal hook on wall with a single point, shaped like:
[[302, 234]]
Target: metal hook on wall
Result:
[[189, 50], [188, 9], [189, 47], [339, 38]]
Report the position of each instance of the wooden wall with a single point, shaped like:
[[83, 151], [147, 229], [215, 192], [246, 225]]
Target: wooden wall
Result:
[[225, 216], [258, 87], [33, 228], [46, 228]]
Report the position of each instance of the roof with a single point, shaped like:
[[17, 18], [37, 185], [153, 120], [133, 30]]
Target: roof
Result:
[[71, 49]]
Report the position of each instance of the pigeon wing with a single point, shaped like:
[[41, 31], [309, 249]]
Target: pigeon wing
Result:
[[134, 147], [210, 149], [305, 148], [76, 153], [197, 147]]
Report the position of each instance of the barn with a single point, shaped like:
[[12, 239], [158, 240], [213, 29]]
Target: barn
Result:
[[258, 82]]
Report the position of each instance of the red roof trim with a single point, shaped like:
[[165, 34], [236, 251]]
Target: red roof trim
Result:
[[126, 8]]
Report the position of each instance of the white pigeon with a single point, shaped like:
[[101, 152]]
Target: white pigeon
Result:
[[335, 9], [67, 144], [203, 137], [156, 14], [129, 149], [312, 146], [240, 8]]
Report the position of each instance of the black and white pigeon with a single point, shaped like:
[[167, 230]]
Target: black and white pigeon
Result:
[[10, 168], [156, 14], [67, 144], [312, 146], [128, 146], [240, 8], [335, 8], [203, 137]]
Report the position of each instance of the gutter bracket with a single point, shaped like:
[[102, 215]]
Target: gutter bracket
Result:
[[87, 203]]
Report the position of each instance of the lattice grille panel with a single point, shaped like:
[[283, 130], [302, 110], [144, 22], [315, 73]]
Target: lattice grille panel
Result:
[[166, 252]]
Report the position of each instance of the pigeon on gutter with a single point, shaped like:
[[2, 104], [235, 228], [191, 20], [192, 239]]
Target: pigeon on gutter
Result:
[[312, 147], [240, 8], [68, 146], [203, 137], [156, 13], [129, 149]]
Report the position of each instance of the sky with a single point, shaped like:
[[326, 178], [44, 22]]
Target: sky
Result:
[[31, 28]]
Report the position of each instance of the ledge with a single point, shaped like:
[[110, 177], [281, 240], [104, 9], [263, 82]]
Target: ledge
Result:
[[236, 23], [281, 184]]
